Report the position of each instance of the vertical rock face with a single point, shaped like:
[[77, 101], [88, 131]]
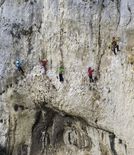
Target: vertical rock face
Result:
[[40, 115]]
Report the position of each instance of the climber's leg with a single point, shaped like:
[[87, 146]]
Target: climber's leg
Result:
[[45, 69], [114, 50], [117, 48], [20, 69], [61, 78], [91, 79]]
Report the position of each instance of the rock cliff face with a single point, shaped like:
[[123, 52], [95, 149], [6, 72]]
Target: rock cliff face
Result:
[[42, 116]]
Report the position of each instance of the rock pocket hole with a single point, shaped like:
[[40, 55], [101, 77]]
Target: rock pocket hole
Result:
[[1, 121], [16, 107]]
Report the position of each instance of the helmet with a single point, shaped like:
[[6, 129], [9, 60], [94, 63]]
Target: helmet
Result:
[[17, 61]]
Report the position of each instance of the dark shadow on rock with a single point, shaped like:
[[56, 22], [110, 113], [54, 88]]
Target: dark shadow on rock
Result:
[[112, 143], [40, 136], [3, 150], [49, 129], [22, 149], [57, 129]]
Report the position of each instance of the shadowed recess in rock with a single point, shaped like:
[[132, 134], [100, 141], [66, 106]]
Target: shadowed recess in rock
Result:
[[3, 150], [54, 130], [112, 143]]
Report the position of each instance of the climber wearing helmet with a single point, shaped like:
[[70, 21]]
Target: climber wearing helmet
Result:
[[18, 66], [114, 45], [90, 74]]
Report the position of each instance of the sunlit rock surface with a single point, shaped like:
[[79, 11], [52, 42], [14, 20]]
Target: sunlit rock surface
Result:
[[40, 115]]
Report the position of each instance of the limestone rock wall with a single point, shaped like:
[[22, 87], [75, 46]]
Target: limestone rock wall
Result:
[[40, 115]]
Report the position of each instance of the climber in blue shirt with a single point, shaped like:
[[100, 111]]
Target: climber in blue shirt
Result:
[[18, 66]]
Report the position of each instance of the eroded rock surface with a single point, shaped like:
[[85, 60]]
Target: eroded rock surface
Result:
[[40, 115]]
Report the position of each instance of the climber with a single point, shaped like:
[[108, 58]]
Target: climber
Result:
[[114, 45], [90, 74], [44, 64], [19, 66], [61, 71]]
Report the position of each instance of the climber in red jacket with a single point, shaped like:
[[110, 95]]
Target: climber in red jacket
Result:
[[44, 64], [90, 74]]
